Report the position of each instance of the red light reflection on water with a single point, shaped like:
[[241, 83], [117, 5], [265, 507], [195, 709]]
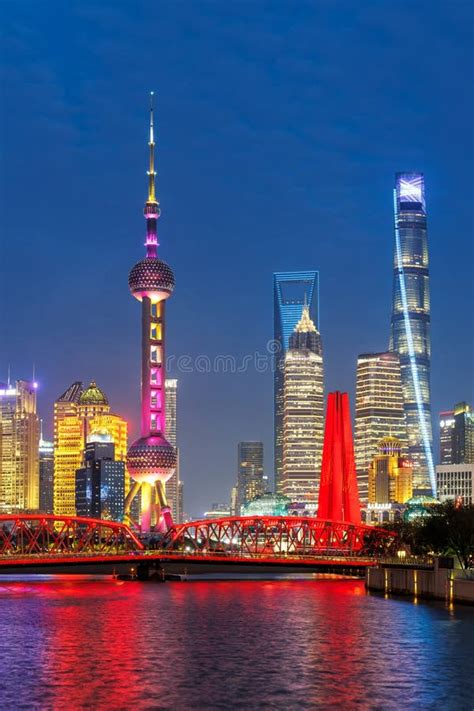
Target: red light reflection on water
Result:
[[77, 644]]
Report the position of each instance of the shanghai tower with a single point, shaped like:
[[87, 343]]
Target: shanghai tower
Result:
[[151, 460], [410, 324]]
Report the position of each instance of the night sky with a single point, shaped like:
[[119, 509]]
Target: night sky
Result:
[[280, 128]]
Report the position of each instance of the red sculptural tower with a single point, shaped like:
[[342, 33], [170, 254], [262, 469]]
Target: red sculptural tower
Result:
[[338, 493]]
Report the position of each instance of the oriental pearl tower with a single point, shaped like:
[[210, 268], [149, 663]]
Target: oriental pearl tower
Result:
[[151, 459]]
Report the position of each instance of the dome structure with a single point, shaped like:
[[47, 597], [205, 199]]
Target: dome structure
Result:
[[390, 445], [267, 505], [420, 507], [151, 277], [93, 395], [151, 459]]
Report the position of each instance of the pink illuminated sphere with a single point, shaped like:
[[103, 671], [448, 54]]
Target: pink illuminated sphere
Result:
[[151, 459]]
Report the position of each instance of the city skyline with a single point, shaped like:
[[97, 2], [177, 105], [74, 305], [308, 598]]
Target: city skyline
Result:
[[101, 240]]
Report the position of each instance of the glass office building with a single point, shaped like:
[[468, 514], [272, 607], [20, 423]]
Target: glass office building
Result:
[[410, 324], [250, 477], [291, 290]]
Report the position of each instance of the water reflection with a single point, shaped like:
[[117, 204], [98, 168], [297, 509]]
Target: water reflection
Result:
[[210, 645]]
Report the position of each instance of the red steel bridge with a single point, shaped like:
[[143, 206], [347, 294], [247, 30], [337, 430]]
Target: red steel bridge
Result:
[[335, 538], [45, 542]]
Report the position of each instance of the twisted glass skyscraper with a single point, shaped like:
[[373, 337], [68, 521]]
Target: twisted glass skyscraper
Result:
[[410, 325]]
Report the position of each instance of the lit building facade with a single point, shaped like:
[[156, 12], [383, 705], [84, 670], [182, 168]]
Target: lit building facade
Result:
[[152, 460], [46, 475], [291, 290], [455, 482], [68, 449], [79, 414], [379, 410], [100, 483], [174, 486], [463, 434], [19, 443], [217, 510], [390, 474], [446, 427], [410, 323], [303, 414], [250, 476]]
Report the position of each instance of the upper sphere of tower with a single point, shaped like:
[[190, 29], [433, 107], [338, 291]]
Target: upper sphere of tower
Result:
[[151, 277]]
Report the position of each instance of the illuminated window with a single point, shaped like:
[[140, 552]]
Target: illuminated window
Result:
[[155, 354], [155, 399], [156, 309], [155, 331], [153, 421], [155, 376]]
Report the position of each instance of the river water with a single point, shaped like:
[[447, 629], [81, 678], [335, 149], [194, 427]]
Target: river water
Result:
[[73, 643]]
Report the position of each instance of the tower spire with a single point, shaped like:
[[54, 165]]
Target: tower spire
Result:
[[152, 208], [151, 143]]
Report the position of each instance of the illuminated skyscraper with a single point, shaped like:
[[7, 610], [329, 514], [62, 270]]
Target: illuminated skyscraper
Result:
[[100, 482], [390, 474], [152, 460], [19, 442], [46, 474], [290, 292], [68, 448], [79, 414], [446, 427], [303, 414], [379, 410], [250, 478], [463, 434], [174, 491], [410, 325]]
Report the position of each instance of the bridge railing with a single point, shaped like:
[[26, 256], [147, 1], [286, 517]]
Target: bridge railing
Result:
[[272, 535], [36, 534]]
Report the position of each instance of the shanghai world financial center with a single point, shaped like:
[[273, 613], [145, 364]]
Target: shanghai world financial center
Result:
[[291, 290]]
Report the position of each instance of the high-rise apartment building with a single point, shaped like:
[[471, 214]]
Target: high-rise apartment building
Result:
[[46, 474], [303, 414], [463, 434], [79, 414], [446, 427], [100, 483], [390, 474], [291, 290], [410, 323], [19, 442], [174, 487], [250, 478], [379, 410]]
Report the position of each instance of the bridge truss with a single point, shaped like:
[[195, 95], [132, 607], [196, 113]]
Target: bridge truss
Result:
[[275, 536], [45, 534]]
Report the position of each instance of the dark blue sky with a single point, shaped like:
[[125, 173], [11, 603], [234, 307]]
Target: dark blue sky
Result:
[[280, 127]]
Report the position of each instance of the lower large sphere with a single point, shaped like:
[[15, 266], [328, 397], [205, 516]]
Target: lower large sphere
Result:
[[151, 459]]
